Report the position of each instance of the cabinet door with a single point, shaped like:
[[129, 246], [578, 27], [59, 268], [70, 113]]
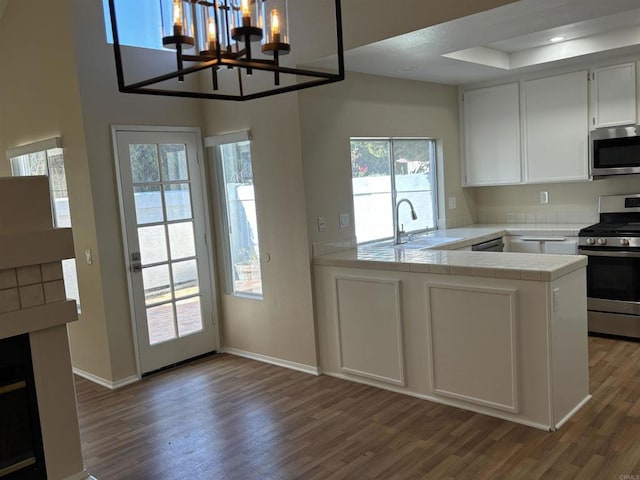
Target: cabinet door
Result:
[[491, 126], [614, 96], [556, 128], [524, 246]]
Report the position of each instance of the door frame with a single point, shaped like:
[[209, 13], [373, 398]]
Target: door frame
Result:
[[209, 240]]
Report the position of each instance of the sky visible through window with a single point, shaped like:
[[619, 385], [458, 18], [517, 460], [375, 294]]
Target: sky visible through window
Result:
[[133, 31]]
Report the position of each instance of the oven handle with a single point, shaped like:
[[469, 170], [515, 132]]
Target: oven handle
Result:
[[604, 253]]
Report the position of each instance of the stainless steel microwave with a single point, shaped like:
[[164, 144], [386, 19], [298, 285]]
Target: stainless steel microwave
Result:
[[615, 151]]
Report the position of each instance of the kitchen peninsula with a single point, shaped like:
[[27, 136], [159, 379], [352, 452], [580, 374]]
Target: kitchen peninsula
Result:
[[503, 334]]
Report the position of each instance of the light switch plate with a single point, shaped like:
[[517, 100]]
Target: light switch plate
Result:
[[344, 220], [322, 225]]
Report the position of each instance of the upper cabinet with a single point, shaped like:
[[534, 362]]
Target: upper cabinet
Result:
[[556, 128], [613, 94], [492, 135]]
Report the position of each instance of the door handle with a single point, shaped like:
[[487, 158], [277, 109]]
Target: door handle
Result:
[[136, 267]]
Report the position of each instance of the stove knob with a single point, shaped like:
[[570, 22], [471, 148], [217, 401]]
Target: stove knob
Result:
[[601, 241], [624, 241], [591, 241]]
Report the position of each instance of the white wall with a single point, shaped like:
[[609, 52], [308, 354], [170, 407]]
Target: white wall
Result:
[[371, 106], [281, 324]]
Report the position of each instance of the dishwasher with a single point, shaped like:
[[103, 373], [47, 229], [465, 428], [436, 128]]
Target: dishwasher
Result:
[[495, 245]]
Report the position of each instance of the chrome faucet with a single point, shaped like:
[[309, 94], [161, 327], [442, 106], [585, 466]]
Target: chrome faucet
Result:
[[400, 229]]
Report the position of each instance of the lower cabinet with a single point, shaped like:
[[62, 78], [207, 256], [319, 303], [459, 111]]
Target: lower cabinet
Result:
[[477, 343]]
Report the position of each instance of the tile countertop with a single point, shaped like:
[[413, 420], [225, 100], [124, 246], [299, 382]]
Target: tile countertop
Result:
[[481, 233], [511, 265]]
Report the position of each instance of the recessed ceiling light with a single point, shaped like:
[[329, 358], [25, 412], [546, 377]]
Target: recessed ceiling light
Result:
[[557, 39]]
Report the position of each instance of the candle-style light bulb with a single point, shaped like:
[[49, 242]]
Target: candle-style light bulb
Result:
[[275, 25], [212, 34], [244, 8], [177, 13]]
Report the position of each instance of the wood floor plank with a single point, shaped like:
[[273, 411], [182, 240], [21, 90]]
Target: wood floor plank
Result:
[[230, 418]]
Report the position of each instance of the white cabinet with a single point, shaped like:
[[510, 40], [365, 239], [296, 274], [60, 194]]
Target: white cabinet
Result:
[[556, 128], [492, 135], [613, 96], [548, 245]]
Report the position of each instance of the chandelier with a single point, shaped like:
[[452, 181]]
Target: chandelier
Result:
[[223, 49]]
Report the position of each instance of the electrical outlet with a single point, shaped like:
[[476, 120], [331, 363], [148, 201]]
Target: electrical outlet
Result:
[[452, 203], [322, 225], [544, 197], [344, 220]]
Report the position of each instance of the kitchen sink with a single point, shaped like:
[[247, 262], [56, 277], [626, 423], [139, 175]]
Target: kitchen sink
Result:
[[420, 243]]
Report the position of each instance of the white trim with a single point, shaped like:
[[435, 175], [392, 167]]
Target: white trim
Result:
[[442, 401], [83, 475], [512, 295], [572, 412], [401, 381], [234, 137], [48, 144], [300, 367], [103, 382]]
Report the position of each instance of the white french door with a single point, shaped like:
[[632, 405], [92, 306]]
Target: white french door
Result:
[[163, 220]]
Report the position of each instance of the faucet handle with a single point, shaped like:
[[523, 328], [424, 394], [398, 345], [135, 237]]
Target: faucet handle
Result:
[[401, 228]]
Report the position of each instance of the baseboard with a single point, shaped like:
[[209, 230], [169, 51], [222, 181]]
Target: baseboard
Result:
[[572, 412], [81, 476], [429, 398], [300, 367], [103, 382]]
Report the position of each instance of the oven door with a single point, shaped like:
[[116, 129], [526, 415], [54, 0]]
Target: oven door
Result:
[[613, 280]]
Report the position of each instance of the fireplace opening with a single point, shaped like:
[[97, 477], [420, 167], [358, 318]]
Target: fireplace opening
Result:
[[21, 449]]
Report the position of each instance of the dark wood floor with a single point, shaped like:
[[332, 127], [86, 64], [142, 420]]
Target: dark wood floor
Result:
[[230, 418]]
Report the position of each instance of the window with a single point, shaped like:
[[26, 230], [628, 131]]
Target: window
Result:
[[241, 243], [132, 31], [46, 158], [385, 171]]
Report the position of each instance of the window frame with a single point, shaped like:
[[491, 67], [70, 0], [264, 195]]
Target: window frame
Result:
[[433, 179]]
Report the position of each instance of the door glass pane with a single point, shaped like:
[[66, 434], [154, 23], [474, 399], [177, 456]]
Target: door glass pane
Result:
[[144, 163], [371, 180], [173, 159], [153, 244], [189, 316], [58, 186], [181, 241], [185, 278], [148, 202], [177, 198], [157, 284], [161, 323]]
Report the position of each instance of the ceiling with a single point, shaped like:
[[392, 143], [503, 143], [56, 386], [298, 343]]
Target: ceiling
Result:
[[505, 41]]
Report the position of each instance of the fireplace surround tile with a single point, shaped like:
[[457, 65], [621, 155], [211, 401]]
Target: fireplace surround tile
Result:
[[29, 275], [31, 296], [9, 300], [51, 271], [8, 278], [54, 291]]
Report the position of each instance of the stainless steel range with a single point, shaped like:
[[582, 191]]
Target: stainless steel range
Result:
[[613, 273]]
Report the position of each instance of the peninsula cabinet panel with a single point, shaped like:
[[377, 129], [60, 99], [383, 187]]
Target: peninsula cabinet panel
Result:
[[556, 128], [370, 328], [492, 135], [473, 342]]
